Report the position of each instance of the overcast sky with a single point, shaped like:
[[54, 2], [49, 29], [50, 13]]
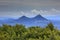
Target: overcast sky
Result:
[[17, 8]]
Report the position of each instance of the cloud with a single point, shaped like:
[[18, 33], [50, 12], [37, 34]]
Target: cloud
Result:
[[31, 13], [46, 12], [12, 5], [30, 8], [34, 12], [31, 3]]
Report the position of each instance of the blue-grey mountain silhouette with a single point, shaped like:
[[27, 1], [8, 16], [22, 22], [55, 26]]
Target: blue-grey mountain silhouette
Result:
[[35, 21]]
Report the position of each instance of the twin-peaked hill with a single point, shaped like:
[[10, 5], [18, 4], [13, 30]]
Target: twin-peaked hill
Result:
[[38, 17], [35, 21]]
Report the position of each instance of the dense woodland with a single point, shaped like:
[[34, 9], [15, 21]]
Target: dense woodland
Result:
[[20, 32]]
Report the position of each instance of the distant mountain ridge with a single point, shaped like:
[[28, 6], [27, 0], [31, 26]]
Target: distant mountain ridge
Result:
[[35, 21], [38, 17]]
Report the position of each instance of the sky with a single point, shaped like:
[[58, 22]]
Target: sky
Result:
[[29, 8]]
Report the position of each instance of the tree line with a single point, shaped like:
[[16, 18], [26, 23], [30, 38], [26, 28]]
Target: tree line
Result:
[[20, 32]]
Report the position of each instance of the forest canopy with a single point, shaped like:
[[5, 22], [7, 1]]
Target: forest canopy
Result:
[[20, 32]]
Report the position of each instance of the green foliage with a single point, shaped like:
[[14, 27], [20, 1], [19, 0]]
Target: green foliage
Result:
[[50, 26], [20, 32]]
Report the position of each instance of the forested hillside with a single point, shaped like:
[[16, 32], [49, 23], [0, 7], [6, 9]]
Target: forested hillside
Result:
[[20, 32]]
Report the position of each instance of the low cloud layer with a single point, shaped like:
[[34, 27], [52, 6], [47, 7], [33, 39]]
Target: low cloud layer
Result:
[[47, 12], [34, 12], [31, 13]]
